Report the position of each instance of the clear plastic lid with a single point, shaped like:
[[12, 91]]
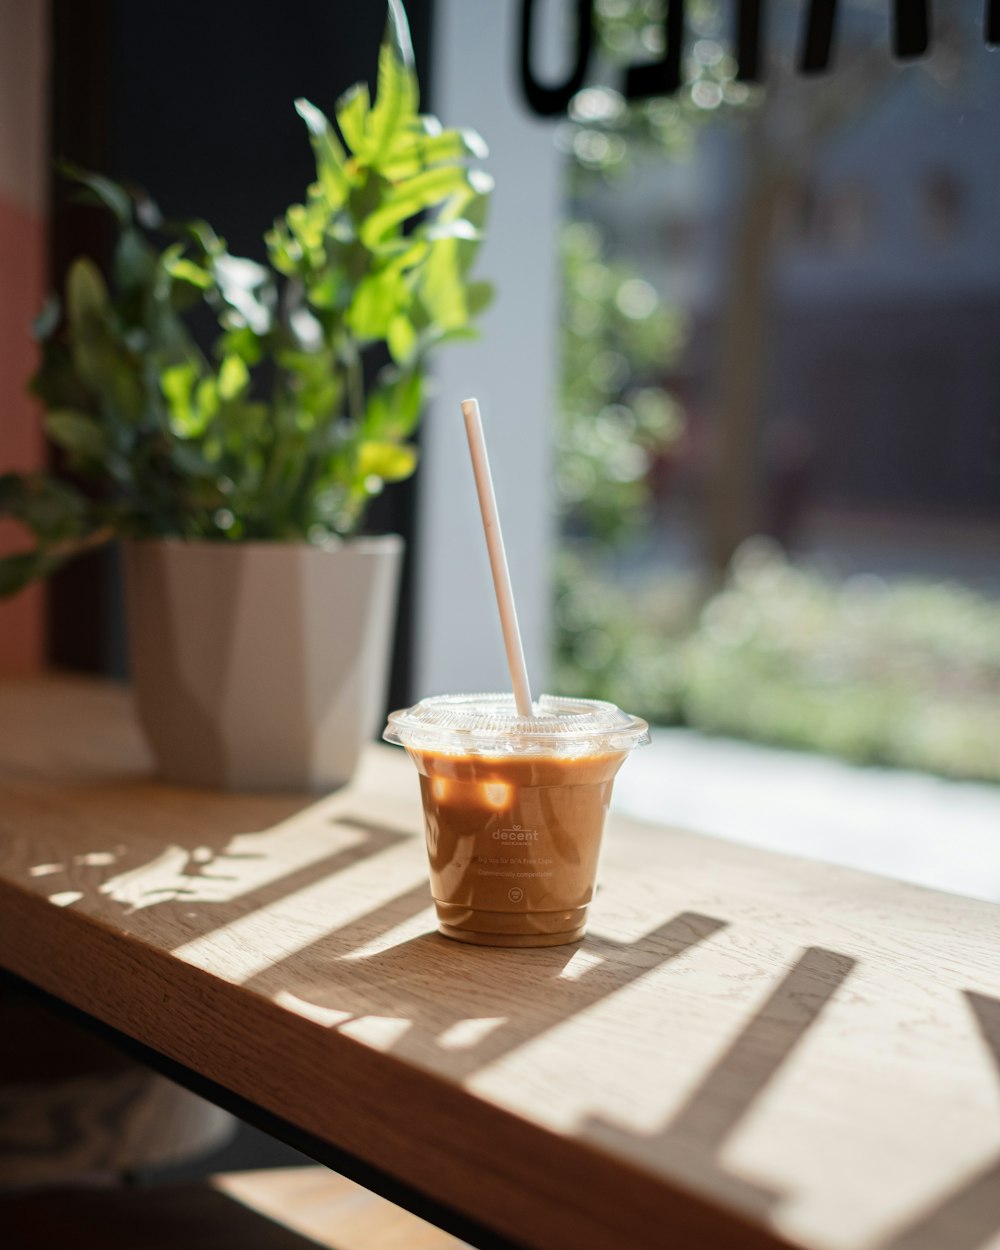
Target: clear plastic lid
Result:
[[489, 724]]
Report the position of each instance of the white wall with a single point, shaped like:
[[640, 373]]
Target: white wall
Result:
[[512, 371]]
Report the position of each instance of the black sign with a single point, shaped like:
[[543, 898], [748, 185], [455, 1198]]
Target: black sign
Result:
[[911, 36]]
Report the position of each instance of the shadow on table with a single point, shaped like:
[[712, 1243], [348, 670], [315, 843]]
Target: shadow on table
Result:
[[516, 996], [515, 1000], [210, 875], [508, 997], [691, 1144], [968, 1216], [198, 862]]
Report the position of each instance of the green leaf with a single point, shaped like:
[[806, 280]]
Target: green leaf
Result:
[[319, 401], [442, 288], [134, 261], [310, 365], [193, 402], [86, 293], [205, 237], [393, 407], [186, 270], [443, 292], [177, 383], [397, 34], [413, 196], [234, 378], [246, 421], [397, 97], [247, 288], [388, 461], [352, 111], [111, 194], [314, 382], [471, 207], [206, 400], [330, 155], [329, 290], [243, 343], [284, 252], [379, 298], [52, 509], [402, 338], [411, 249], [76, 433], [306, 224], [421, 151], [99, 356]]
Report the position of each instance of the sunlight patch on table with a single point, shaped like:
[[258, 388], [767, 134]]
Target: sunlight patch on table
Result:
[[270, 934], [581, 962], [465, 1034], [45, 870], [329, 1017], [808, 1125], [249, 862], [424, 921], [382, 1032], [689, 1011], [65, 898]]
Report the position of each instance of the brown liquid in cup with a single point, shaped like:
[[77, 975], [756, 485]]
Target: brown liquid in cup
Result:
[[513, 842]]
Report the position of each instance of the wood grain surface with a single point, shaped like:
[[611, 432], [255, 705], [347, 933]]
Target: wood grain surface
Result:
[[747, 1050]]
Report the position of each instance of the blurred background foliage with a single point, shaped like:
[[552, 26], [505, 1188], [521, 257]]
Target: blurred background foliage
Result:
[[617, 336], [883, 671], [900, 673], [606, 134]]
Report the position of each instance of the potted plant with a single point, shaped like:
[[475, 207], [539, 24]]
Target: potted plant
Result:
[[238, 476]]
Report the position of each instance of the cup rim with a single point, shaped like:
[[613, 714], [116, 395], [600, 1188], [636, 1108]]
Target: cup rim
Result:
[[489, 723]]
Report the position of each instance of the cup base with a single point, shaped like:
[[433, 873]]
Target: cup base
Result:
[[511, 928], [476, 938]]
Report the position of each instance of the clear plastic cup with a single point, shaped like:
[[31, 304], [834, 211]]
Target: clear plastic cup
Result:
[[514, 809]]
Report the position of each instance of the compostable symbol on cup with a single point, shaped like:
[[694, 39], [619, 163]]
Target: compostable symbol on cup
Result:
[[515, 894]]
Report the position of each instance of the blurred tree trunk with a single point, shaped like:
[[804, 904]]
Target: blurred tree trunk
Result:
[[781, 141], [733, 479]]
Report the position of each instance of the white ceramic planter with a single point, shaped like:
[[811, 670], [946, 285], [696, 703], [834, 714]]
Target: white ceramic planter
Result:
[[260, 666]]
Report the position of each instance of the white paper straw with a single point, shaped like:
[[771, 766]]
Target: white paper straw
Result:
[[498, 556]]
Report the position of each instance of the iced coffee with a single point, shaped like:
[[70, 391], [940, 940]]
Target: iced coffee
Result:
[[514, 810]]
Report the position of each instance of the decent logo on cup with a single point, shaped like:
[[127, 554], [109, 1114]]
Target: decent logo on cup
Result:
[[515, 834]]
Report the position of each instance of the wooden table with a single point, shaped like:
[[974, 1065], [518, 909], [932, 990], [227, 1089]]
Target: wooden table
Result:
[[749, 1050]]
